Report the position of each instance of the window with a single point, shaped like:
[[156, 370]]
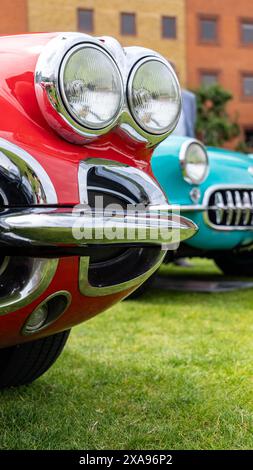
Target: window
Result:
[[246, 31], [208, 29], [128, 24], [85, 20], [169, 27], [208, 78], [247, 85], [248, 135]]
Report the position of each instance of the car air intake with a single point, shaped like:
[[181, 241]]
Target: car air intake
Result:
[[112, 265]]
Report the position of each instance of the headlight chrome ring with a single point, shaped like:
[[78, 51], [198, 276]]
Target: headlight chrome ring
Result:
[[51, 93], [64, 100], [194, 161], [101, 100], [155, 110]]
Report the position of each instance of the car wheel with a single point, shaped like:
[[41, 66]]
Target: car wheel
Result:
[[236, 264], [23, 363]]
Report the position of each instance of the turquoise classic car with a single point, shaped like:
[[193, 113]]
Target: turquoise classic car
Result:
[[214, 188]]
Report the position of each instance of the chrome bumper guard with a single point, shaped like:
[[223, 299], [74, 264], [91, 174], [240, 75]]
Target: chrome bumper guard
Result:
[[33, 223], [157, 225]]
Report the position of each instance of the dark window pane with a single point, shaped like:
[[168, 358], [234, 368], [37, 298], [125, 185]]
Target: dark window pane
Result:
[[169, 27], [208, 29], [209, 78], [85, 20], [247, 32], [249, 137], [248, 86], [128, 25]]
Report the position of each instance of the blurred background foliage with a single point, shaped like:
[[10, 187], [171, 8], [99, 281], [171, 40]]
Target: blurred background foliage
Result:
[[214, 125]]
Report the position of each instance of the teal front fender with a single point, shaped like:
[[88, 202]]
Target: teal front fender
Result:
[[226, 168]]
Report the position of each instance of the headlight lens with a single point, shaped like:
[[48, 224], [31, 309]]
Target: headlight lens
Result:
[[194, 160], [154, 96], [91, 86]]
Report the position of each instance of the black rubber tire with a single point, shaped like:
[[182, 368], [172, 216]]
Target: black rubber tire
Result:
[[142, 289], [236, 264], [23, 363]]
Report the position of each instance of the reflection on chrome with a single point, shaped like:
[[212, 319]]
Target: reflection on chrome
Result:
[[156, 225]]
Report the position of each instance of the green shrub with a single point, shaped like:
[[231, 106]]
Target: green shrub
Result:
[[214, 126]]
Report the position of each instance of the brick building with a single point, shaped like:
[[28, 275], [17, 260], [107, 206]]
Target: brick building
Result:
[[220, 49], [14, 17], [208, 41], [157, 24]]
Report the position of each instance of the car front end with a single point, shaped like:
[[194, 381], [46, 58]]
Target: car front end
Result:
[[80, 117]]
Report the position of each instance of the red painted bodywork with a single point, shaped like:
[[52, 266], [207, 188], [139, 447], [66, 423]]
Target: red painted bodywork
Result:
[[22, 123]]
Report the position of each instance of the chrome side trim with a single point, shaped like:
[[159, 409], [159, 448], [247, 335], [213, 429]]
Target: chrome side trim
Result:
[[21, 167], [191, 207], [25, 172]]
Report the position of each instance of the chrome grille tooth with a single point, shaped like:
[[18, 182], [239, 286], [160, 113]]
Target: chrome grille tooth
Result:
[[251, 197], [219, 203], [230, 208], [246, 208], [238, 210]]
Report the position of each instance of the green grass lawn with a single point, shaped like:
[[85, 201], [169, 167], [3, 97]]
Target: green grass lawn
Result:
[[171, 370]]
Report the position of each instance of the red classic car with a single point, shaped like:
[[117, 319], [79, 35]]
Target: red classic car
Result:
[[79, 119]]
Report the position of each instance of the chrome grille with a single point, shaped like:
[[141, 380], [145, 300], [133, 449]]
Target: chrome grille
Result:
[[230, 207]]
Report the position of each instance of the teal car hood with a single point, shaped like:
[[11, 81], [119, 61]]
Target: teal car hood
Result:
[[225, 168], [234, 160]]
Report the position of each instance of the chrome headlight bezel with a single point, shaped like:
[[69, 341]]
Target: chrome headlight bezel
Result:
[[49, 86], [183, 161], [55, 111], [132, 75]]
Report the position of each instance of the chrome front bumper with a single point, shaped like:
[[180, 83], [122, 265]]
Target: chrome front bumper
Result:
[[34, 225], [157, 225]]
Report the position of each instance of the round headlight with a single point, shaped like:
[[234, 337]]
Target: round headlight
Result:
[[91, 86], [154, 96], [194, 161]]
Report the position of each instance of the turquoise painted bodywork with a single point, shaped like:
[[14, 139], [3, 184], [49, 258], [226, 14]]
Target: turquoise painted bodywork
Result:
[[226, 167]]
